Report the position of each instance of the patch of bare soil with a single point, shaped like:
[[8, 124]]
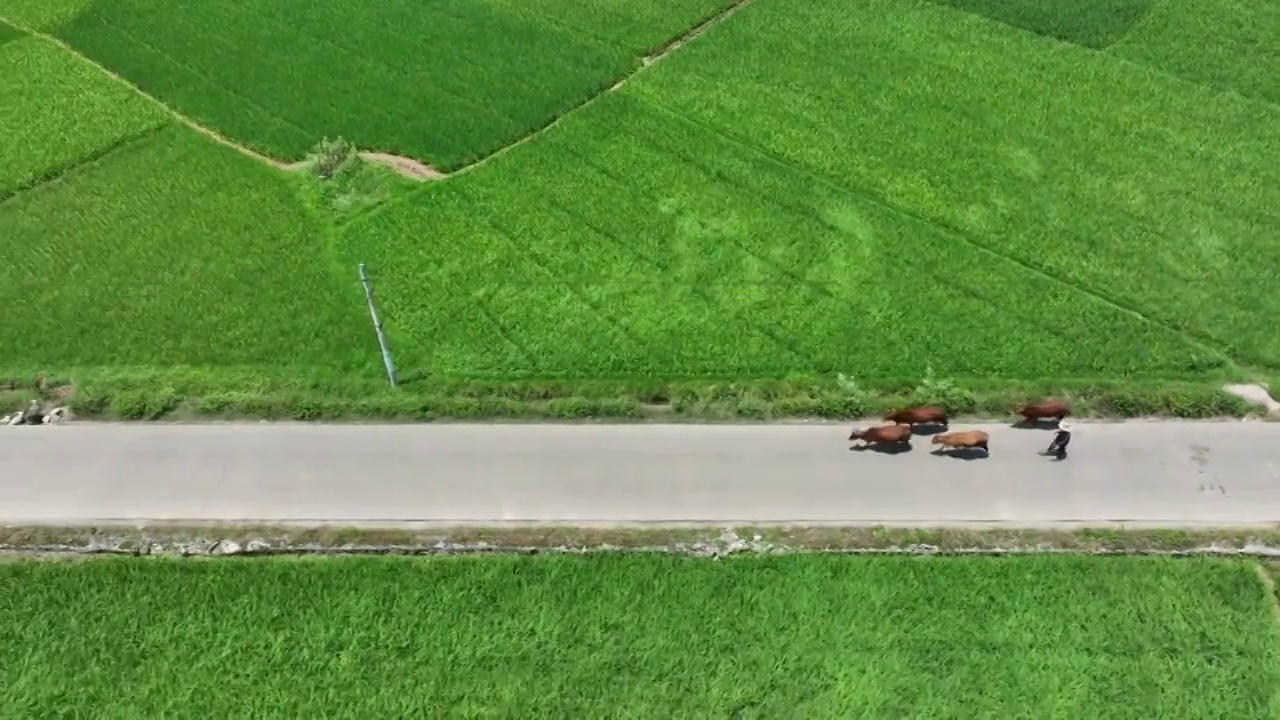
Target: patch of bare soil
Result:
[[404, 165]]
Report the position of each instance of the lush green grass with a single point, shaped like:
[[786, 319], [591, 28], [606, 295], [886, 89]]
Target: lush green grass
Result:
[[8, 33], [1092, 23], [640, 28], [639, 636], [173, 251], [1023, 225], [1231, 44], [634, 242], [1127, 184], [898, 190], [59, 111], [43, 14], [312, 393], [426, 80]]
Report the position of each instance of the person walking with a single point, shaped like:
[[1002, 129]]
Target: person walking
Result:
[[1058, 448]]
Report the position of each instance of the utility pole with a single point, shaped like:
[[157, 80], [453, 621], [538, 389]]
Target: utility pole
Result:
[[377, 327]]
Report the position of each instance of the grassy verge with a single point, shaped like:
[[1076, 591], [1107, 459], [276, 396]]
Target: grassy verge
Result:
[[233, 539], [639, 636], [272, 394]]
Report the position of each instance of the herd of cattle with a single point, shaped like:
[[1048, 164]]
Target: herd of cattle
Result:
[[904, 422]]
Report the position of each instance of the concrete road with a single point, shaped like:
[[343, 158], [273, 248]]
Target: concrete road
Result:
[[1218, 473]]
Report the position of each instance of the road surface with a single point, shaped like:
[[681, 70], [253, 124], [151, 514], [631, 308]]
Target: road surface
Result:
[[1214, 473]]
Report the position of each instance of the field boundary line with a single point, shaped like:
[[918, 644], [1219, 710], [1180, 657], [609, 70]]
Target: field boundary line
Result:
[[556, 277], [58, 172], [658, 55], [179, 117], [406, 167], [411, 168], [1273, 602], [1117, 45], [744, 319], [1209, 344]]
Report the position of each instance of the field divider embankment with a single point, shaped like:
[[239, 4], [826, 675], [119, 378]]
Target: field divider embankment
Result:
[[411, 168], [177, 116], [119, 145], [1273, 601], [220, 540], [661, 53]]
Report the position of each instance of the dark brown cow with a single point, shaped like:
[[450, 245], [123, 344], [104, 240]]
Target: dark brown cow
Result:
[[919, 415], [1045, 409], [885, 434], [963, 439]]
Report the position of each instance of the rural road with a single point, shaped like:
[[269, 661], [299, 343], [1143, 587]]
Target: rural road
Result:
[[1175, 474]]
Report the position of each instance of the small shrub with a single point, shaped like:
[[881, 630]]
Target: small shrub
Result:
[[859, 400], [334, 159], [944, 392]]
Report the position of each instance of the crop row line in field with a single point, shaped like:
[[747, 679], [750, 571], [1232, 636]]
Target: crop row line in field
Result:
[[697, 291], [801, 210], [1206, 343], [532, 254], [744, 320], [680, 157], [1269, 584], [763, 329], [486, 311], [1217, 88], [781, 343], [1113, 50], [101, 153]]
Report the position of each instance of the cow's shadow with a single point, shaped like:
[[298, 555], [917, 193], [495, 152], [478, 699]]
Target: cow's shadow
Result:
[[1041, 424], [926, 429], [882, 448], [963, 453]]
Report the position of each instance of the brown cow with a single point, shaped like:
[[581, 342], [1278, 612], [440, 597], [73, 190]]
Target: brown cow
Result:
[[919, 415], [885, 434], [1057, 409], [963, 439]]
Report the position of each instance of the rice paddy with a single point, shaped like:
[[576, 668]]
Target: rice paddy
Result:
[[640, 637], [1015, 197]]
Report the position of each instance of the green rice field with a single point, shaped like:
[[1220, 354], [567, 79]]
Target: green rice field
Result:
[[962, 201], [640, 637]]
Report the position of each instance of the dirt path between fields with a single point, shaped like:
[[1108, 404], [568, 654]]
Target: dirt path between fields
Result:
[[406, 166]]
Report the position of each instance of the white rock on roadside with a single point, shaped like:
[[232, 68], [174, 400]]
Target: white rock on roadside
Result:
[[228, 547]]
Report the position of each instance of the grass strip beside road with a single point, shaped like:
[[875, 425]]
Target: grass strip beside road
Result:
[[313, 394], [640, 636], [197, 539]]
